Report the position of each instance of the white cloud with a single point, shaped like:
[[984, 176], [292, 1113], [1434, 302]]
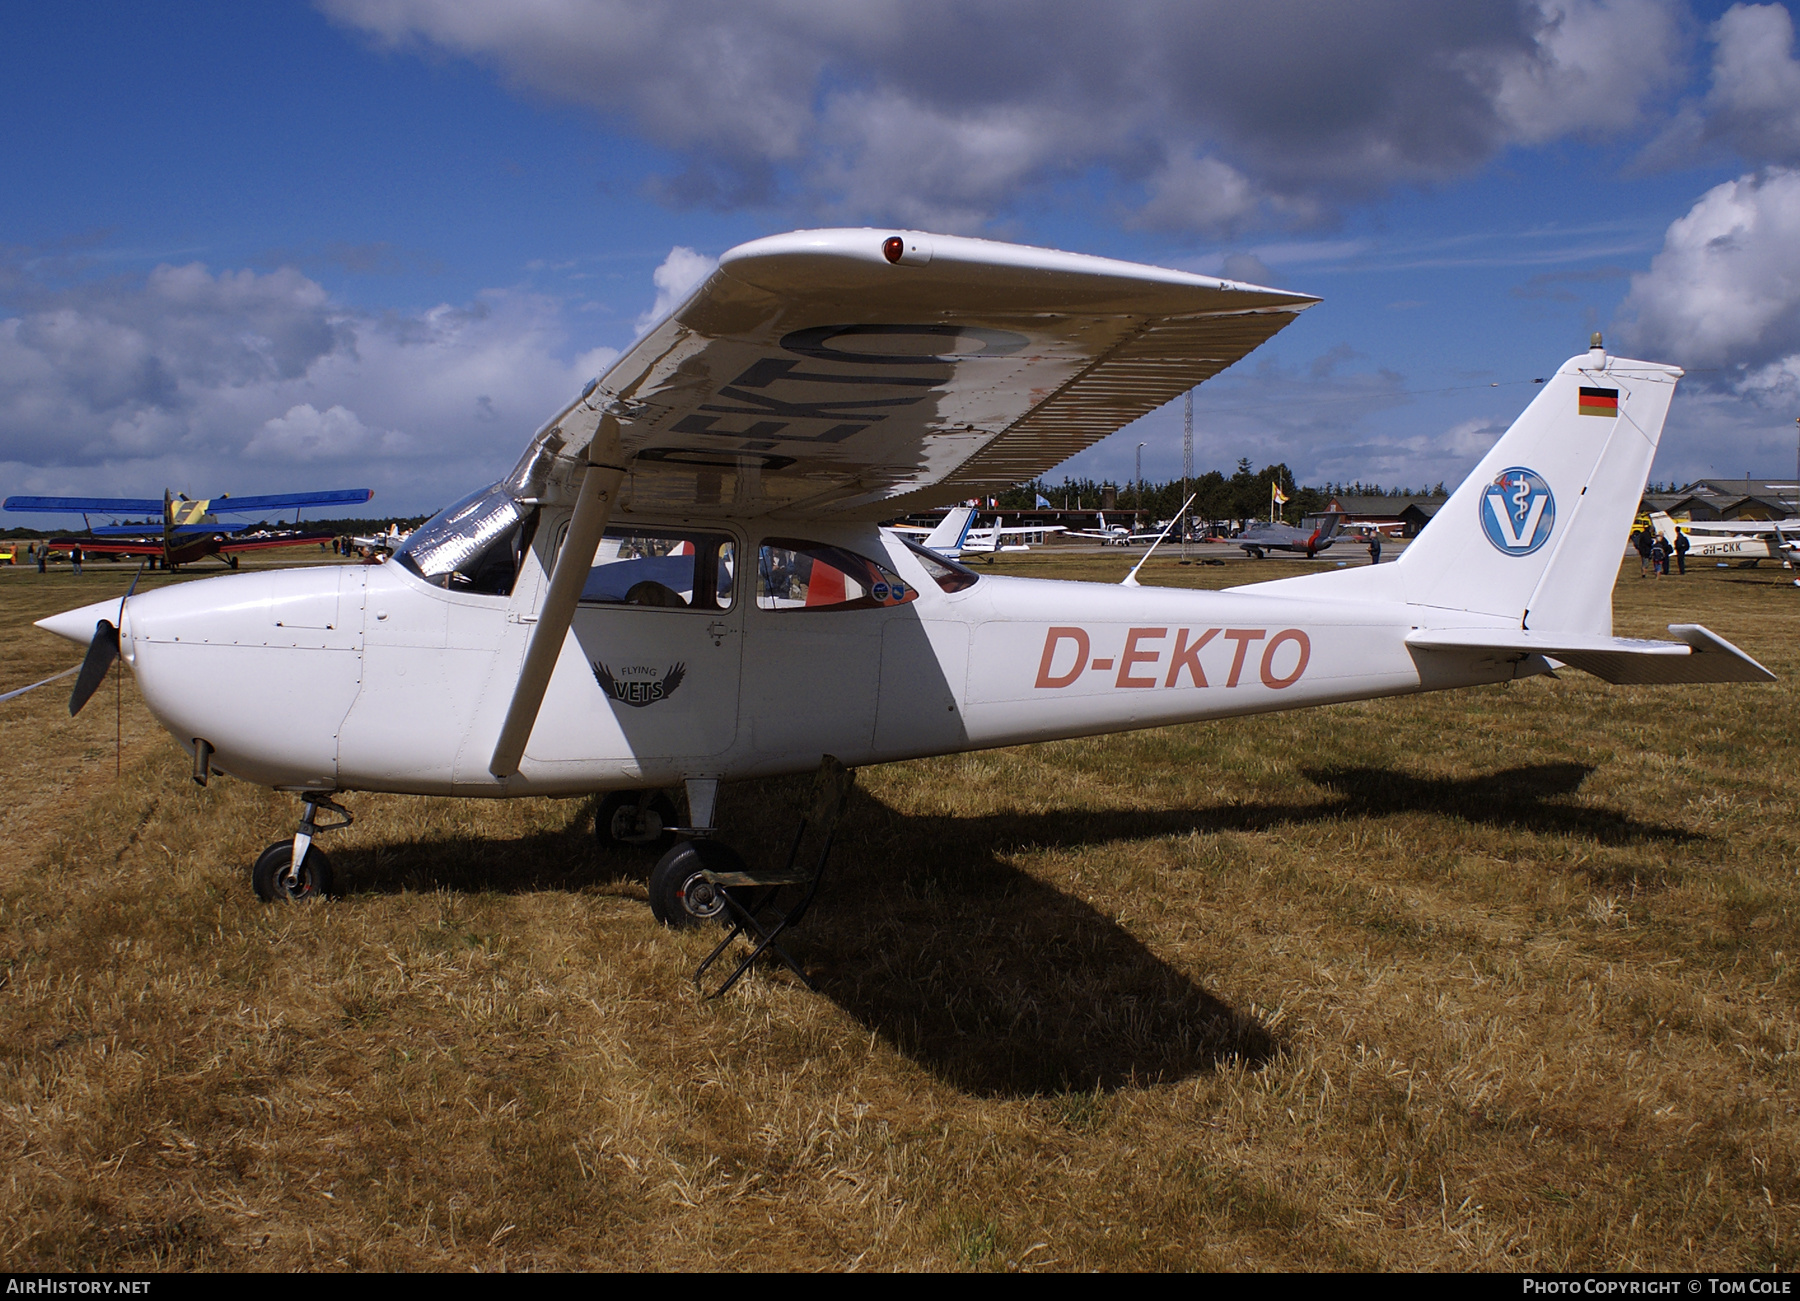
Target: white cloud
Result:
[[1211, 197], [678, 276], [1723, 298], [244, 382], [1725, 289], [305, 433], [1753, 105], [1591, 66], [943, 114]]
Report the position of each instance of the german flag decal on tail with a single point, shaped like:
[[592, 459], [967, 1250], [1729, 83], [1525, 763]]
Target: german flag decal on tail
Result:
[[1599, 401]]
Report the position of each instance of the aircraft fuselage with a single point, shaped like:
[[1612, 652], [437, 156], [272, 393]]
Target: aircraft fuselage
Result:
[[368, 678]]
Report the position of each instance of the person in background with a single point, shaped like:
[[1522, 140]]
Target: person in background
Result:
[[75, 557], [1375, 546], [1659, 557], [1641, 540], [43, 554], [1681, 550]]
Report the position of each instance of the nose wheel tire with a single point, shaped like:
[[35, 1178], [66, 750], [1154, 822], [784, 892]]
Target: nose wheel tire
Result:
[[680, 894], [269, 876], [621, 822]]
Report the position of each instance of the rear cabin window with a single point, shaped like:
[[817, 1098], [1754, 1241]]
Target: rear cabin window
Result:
[[947, 574], [663, 570], [792, 574]]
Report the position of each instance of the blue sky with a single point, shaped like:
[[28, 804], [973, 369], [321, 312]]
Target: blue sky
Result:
[[252, 248]]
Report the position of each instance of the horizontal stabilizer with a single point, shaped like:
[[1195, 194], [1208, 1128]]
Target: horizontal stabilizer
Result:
[[1699, 655]]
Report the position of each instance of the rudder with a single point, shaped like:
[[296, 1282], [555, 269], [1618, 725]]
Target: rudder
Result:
[[1537, 531]]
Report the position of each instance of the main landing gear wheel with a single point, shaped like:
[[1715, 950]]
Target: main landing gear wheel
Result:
[[625, 818], [270, 874], [680, 894]]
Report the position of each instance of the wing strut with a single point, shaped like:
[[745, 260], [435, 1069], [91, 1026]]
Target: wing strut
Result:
[[593, 507]]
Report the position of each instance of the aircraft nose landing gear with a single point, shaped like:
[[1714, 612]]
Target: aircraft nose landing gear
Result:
[[275, 878]]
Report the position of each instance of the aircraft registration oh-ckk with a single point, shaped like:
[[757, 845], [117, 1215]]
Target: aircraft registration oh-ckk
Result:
[[188, 530], [683, 581], [1745, 541]]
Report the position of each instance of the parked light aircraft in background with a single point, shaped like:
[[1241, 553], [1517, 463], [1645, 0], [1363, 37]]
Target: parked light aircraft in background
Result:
[[389, 541], [957, 535], [1315, 534], [1118, 535], [682, 583], [1747, 541], [188, 530], [1107, 535]]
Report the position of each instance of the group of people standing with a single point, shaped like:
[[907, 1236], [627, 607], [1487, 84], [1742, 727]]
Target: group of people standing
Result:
[[1654, 552], [41, 553]]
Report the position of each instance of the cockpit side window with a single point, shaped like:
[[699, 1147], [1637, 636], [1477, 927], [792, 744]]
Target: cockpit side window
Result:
[[473, 546], [664, 569], [793, 574]]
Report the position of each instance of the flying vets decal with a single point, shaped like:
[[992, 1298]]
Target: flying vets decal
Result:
[[638, 685], [1068, 656]]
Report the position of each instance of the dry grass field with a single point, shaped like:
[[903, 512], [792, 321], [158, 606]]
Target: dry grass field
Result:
[[1497, 980]]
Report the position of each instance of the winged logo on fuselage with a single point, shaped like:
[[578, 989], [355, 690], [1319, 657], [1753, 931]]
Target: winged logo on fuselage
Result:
[[639, 685]]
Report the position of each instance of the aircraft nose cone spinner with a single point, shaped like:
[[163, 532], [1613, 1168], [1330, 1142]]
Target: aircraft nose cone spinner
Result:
[[77, 625]]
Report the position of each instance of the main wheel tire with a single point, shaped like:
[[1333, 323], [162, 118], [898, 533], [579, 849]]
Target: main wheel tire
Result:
[[269, 876], [680, 894], [618, 822]]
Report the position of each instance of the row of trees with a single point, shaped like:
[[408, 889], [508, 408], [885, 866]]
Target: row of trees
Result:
[[1245, 494]]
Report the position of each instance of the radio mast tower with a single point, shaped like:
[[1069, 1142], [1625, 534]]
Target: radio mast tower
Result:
[[1187, 461]]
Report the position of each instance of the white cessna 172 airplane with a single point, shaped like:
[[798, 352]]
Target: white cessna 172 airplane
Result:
[[683, 583], [1746, 541]]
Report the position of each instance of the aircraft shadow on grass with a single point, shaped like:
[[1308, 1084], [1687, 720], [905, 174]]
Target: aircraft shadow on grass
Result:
[[996, 982]]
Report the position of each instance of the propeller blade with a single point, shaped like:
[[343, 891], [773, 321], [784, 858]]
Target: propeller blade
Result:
[[102, 651]]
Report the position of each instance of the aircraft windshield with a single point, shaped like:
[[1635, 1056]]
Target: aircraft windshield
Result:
[[474, 545]]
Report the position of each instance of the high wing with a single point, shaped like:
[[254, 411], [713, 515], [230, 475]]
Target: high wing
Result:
[[817, 374], [292, 500], [1722, 526], [217, 505], [863, 375], [88, 505]]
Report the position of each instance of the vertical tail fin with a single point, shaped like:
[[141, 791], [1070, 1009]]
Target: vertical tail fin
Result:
[[1537, 530], [947, 537]]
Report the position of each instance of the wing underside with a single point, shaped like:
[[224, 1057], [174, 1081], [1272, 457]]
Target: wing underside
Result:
[[812, 375]]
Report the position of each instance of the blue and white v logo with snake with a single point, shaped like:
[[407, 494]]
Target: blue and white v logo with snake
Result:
[[1518, 511]]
